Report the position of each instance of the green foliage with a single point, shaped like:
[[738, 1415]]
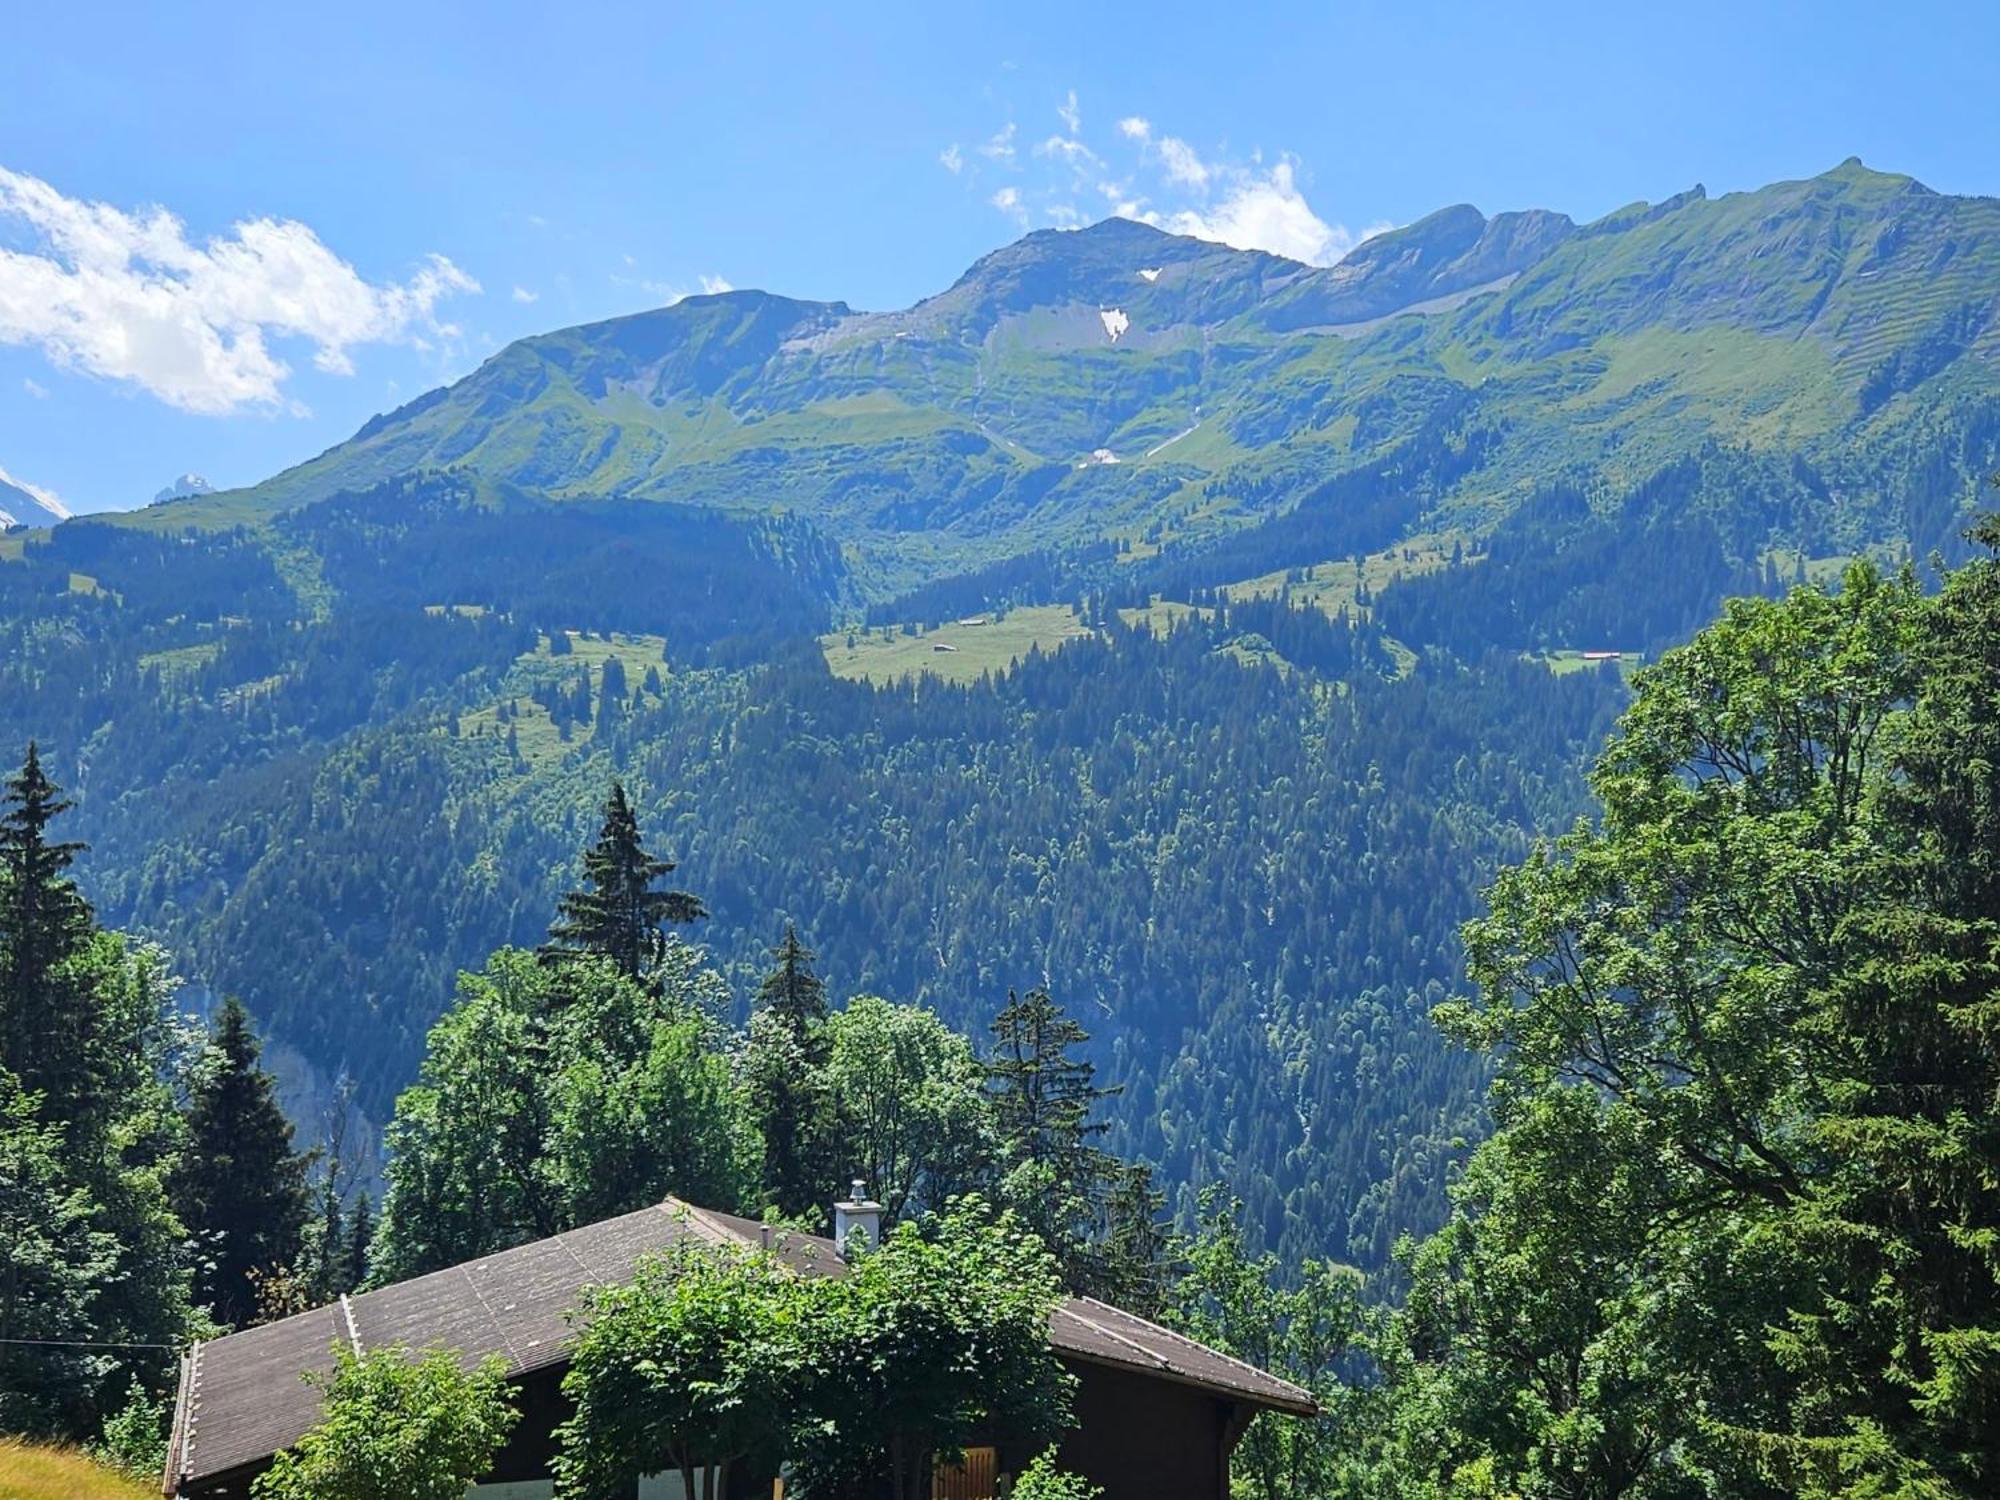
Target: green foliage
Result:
[[94, 1263], [786, 1084], [397, 1427], [619, 916], [1097, 1214], [135, 1436], [1734, 1232], [1042, 1480], [553, 1096], [1301, 1323], [56, 1258], [928, 1342], [914, 1121], [698, 1363], [44, 921], [238, 1186]]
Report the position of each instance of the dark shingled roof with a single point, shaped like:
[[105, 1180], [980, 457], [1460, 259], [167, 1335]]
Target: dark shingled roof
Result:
[[243, 1397]]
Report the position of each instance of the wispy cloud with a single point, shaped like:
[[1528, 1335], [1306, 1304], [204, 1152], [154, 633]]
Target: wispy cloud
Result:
[[667, 293], [523, 295], [130, 297], [952, 158], [34, 388], [1147, 173]]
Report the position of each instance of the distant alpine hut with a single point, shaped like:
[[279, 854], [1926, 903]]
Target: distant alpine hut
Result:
[[942, 646], [1603, 655], [1158, 1415]]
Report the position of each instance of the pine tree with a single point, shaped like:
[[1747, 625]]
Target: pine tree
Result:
[[360, 1232], [43, 921], [1043, 1097], [240, 1188], [790, 1099], [793, 993], [1045, 1103], [618, 914]]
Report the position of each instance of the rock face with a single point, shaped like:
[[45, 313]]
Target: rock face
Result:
[[21, 504], [181, 488]]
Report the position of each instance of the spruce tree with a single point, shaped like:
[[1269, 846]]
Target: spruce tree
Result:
[[790, 1098], [240, 1188], [43, 921], [1045, 1104], [360, 1232], [1043, 1097], [618, 914], [793, 993]]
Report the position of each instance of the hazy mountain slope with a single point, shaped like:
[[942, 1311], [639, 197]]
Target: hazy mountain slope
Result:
[[22, 506]]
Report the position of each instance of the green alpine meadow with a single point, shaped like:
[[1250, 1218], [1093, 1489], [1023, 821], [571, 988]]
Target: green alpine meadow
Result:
[[1228, 857]]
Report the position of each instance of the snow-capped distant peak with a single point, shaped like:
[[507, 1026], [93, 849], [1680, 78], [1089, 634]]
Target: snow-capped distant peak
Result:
[[29, 504], [1151, 273], [181, 488], [1115, 321]]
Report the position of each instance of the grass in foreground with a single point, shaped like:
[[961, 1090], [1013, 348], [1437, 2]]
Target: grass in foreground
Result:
[[29, 1471]]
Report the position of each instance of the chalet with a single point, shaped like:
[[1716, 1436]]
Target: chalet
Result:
[[1157, 1414], [942, 646]]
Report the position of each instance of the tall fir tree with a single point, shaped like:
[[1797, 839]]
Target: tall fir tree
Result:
[[44, 920], [1078, 1197], [1045, 1099], [618, 914], [789, 1095], [360, 1234], [240, 1188]]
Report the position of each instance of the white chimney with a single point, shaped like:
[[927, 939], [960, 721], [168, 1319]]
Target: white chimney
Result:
[[860, 1216]]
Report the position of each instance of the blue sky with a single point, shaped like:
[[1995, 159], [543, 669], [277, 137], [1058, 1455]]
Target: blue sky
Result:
[[230, 234]]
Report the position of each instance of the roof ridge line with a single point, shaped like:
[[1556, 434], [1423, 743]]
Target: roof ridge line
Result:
[[1208, 1349], [1110, 1333], [716, 1232], [353, 1333]]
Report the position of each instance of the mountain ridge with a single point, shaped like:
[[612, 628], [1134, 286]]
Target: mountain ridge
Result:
[[1117, 379]]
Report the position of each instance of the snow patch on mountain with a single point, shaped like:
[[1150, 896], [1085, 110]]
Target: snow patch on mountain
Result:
[[25, 504], [181, 488], [1115, 321]]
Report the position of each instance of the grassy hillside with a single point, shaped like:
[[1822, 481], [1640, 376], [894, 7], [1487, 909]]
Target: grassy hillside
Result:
[[31, 1472], [1809, 321]]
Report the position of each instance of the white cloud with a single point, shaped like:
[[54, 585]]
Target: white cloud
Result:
[[1001, 147], [953, 159], [1070, 150], [1182, 165], [1070, 115], [130, 297], [47, 497], [523, 295], [1265, 211], [667, 293], [1008, 201], [34, 388], [1136, 128]]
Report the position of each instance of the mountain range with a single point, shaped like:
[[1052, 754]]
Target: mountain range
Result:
[[1186, 628], [1118, 379]]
